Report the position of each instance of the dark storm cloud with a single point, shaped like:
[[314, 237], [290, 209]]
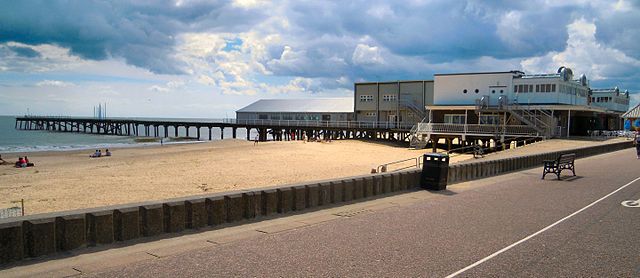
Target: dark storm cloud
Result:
[[143, 33], [24, 51]]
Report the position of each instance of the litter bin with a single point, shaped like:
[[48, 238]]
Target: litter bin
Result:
[[435, 169]]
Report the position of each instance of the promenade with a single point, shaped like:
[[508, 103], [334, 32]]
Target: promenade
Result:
[[509, 225]]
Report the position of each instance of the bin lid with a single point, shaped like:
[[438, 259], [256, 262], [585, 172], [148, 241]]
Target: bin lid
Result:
[[436, 155]]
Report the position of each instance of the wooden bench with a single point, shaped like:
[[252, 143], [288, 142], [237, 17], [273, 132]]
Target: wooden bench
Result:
[[564, 161]]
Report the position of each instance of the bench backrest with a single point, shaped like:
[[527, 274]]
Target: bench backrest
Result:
[[566, 157]]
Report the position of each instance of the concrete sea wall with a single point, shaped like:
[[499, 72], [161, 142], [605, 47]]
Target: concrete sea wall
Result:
[[43, 234]]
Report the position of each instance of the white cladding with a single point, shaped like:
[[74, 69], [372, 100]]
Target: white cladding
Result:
[[465, 89]]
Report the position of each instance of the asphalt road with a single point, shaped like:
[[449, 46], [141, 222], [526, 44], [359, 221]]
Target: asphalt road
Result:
[[514, 225]]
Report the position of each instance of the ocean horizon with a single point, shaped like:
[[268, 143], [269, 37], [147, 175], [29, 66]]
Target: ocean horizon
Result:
[[27, 141]]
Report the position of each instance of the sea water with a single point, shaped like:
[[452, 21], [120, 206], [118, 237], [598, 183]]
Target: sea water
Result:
[[13, 140]]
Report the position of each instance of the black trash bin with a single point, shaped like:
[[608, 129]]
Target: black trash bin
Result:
[[435, 169]]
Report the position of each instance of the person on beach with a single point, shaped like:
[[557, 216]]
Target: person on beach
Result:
[[2, 161], [96, 154], [107, 152], [21, 163], [255, 140], [636, 141], [26, 160]]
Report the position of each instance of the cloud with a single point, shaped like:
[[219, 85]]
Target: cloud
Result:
[[142, 33], [245, 49], [367, 55], [584, 54], [54, 83], [24, 51]]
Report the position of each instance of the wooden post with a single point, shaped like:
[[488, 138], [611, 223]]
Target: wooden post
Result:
[[221, 133], [198, 133], [210, 128], [233, 132]]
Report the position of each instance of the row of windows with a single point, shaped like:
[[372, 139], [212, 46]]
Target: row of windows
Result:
[[389, 98], [548, 88], [539, 88], [367, 98], [290, 117], [601, 99], [459, 119]]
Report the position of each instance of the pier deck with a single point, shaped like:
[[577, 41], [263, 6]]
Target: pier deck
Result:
[[279, 129]]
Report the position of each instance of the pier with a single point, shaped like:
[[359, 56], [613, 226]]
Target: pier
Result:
[[278, 129]]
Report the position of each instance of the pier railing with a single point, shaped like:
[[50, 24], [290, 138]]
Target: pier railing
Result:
[[332, 124], [242, 122], [476, 129]]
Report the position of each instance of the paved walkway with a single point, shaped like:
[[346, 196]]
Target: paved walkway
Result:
[[549, 146], [432, 234]]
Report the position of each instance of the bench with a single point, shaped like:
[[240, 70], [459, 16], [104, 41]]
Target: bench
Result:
[[564, 161]]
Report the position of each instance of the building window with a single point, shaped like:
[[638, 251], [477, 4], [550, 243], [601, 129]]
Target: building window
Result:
[[537, 88], [489, 119], [526, 88], [464, 91], [553, 88], [453, 119], [501, 91], [548, 89], [531, 88], [389, 98], [493, 91], [370, 114], [515, 88], [366, 98], [477, 91]]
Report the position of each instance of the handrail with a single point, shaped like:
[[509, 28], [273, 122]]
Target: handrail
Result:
[[384, 167], [253, 122]]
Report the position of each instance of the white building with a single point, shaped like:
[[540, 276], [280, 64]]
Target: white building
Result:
[[318, 109]]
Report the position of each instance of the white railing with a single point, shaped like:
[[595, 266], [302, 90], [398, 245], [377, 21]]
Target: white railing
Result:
[[333, 124], [476, 129], [253, 122]]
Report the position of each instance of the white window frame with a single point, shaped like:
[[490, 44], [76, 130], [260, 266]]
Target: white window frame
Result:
[[389, 98], [454, 118], [366, 98], [489, 119]]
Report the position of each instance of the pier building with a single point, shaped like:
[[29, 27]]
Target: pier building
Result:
[[318, 109], [401, 102]]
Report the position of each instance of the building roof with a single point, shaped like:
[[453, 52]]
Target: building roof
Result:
[[393, 82], [516, 72], [632, 113], [318, 105]]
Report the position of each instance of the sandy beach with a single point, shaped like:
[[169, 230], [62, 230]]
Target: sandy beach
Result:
[[72, 180]]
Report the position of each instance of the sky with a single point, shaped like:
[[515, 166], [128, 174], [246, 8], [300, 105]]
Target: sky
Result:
[[207, 59]]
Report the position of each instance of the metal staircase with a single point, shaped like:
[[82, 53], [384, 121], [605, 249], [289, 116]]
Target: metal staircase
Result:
[[413, 107], [418, 139], [541, 120]]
